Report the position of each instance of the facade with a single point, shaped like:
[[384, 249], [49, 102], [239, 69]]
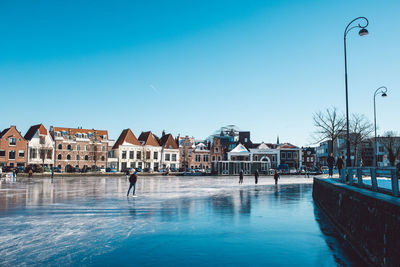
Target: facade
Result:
[[151, 151], [201, 157], [186, 147], [128, 151], [112, 159], [79, 148], [266, 153], [309, 157], [216, 150], [169, 152], [40, 146], [322, 153], [13, 148], [290, 155]]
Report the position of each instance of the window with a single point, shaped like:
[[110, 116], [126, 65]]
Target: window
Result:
[[87, 148], [69, 147], [219, 158], [289, 155], [69, 137], [68, 157], [59, 146], [147, 154], [155, 155], [21, 153], [131, 154], [216, 150], [103, 158], [49, 154], [189, 153], [187, 144], [139, 165], [2, 153], [138, 155], [78, 147], [213, 158], [173, 157], [59, 157], [86, 157], [198, 158], [283, 155], [13, 141], [103, 148], [11, 154], [33, 153], [133, 164], [255, 158], [205, 158], [77, 157], [123, 155], [295, 155], [183, 153], [167, 157], [381, 149]]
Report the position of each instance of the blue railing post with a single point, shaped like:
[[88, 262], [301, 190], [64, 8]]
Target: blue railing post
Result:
[[395, 183], [374, 182], [342, 176], [359, 176]]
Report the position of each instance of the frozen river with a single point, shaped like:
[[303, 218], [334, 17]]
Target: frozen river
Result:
[[174, 221]]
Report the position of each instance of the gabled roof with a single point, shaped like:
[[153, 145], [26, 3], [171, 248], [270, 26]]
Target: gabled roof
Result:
[[31, 132], [168, 141], [287, 146], [148, 139], [240, 149], [4, 132], [127, 136]]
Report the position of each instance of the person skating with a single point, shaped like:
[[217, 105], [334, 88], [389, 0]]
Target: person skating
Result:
[[340, 165], [241, 177], [256, 174], [132, 182], [331, 161], [127, 173], [276, 177]]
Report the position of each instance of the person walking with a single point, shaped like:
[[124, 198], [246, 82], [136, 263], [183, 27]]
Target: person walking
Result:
[[256, 174], [30, 172], [331, 161], [241, 177], [276, 177], [132, 183], [340, 165]]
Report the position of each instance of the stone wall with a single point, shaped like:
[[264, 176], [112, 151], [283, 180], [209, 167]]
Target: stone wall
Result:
[[370, 221]]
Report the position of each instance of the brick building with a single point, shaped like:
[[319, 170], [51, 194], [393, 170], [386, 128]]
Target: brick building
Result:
[[13, 148], [79, 148]]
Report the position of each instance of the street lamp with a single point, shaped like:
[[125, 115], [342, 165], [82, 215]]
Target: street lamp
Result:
[[381, 90], [363, 32]]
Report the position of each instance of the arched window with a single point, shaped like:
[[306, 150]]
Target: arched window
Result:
[[59, 146], [86, 157], [68, 157], [102, 158], [77, 157], [69, 147], [59, 156]]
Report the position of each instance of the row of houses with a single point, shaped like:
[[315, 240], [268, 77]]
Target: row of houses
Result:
[[71, 149]]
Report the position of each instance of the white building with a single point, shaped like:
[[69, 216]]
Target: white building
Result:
[[151, 151], [127, 151], [266, 153], [169, 152], [40, 146]]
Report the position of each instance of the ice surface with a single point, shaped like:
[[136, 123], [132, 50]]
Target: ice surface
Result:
[[172, 221]]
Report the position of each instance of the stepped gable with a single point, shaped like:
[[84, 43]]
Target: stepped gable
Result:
[[127, 136], [148, 139], [32, 130], [168, 141]]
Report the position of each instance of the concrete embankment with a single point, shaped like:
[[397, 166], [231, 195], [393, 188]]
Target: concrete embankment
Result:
[[370, 221]]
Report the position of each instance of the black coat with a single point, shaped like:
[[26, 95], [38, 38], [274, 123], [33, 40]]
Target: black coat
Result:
[[331, 161], [340, 163], [133, 178]]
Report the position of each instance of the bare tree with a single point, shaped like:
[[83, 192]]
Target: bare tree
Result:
[[45, 150], [392, 145], [329, 125], [360, 129]]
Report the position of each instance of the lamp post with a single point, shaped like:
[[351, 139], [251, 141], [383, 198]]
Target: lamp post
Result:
[[381, 90], [363, 31]]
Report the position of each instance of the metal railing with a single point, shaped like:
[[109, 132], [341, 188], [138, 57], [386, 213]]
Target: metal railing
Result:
[[359, 175]]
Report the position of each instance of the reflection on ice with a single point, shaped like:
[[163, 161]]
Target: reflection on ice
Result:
[[174, 221]]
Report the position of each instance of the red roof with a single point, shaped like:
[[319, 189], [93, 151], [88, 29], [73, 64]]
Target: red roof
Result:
[[148, 139], [31, 132], [168, 141], [79, 130], [126, 136]]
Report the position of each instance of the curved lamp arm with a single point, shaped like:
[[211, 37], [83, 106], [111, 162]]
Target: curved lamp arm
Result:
[[356, 26], [380, 90]]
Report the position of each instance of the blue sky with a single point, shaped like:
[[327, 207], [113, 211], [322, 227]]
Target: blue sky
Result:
[[190, 67]]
